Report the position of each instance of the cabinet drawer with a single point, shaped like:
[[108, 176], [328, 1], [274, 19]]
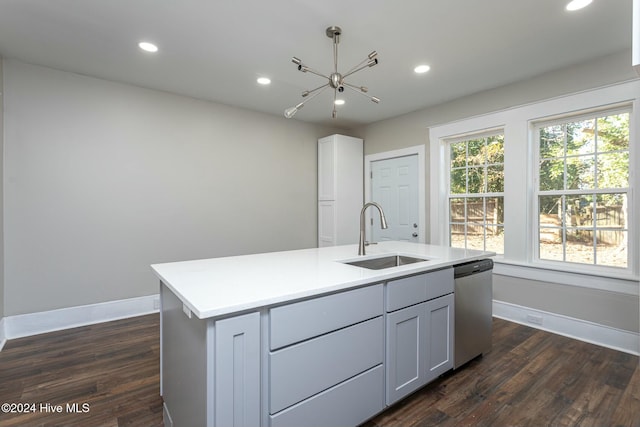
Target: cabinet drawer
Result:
[[307, 319], [347, 404], [302, 370], [416, 289]]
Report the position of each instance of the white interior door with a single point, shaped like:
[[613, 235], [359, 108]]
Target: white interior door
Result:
[[394, 185]]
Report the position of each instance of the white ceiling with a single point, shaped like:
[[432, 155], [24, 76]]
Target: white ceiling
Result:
[[215, 49]]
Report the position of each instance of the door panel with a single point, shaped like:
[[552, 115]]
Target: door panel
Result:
[[394, 185]]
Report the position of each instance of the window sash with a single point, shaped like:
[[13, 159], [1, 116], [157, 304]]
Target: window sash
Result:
[[564, 230]]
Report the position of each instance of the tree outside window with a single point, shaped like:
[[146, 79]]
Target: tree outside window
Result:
[[583, 185], [476, 193]]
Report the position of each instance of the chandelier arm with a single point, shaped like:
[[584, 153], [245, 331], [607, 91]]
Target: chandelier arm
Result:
[[354, 87], [309, 92], [312, 71], [322, 88], [368, 64], [356, 66], [372, 98]]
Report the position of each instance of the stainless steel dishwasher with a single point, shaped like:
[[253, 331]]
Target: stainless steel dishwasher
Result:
[[473, 310]]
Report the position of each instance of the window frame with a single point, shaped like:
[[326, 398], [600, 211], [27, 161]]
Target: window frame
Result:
[[518, 124], [537, 125], [484, 195]]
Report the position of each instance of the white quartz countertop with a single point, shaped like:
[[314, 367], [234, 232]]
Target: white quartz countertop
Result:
[[221, 286]]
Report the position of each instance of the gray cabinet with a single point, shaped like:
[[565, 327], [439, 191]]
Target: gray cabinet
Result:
[[419, 331], [405, 361], [326, 360], [210, 368], [440, 338], [334, 360]]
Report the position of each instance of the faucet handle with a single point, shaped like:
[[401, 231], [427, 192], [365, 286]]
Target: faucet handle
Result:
[[370, 243]]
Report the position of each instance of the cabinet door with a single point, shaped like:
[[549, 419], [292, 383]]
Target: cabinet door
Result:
[[237, 371], [326, 168], [326, 224], [439, 336], [405, 351]]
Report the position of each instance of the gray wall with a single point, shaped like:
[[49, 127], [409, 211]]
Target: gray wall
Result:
[[411, 129], [1, 193], [104, 179]]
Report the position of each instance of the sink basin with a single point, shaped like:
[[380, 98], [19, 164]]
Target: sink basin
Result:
[[385, 262]]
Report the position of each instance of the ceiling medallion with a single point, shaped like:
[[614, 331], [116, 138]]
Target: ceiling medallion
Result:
[[335, 80]]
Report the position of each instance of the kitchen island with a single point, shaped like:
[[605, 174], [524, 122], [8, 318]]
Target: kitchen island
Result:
[[303, 337]]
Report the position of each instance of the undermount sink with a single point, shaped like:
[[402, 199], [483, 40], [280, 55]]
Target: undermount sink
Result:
[[385, 262]]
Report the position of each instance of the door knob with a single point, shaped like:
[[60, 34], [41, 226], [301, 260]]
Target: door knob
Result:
[[415, 225], [415, 234]]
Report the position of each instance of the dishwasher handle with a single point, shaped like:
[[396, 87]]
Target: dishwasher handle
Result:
[[473, 267]]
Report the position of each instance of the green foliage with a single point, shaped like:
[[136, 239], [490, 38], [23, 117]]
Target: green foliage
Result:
[[477, 166]]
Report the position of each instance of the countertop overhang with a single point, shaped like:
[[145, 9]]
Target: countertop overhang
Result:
[[222, 286]]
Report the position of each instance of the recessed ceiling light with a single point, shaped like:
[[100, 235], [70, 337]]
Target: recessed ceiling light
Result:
[[577, 4], [148, 47], [339, 102], [264, 80], [421, 69]]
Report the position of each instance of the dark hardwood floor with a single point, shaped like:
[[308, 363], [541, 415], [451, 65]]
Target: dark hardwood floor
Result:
[[113, 367], [530, 378]]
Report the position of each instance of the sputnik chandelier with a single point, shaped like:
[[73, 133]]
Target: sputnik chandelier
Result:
[[335, 80]]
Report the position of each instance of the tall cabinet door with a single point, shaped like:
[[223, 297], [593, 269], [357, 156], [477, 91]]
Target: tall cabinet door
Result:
[[326, 168], [405, 351], [340, 181]]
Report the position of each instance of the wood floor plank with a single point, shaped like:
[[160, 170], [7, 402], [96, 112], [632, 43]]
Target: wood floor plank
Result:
[[530, 378], [112, 367]]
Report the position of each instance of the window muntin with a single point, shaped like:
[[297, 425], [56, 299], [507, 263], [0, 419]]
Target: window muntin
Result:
[[582, 193], [476, 193]]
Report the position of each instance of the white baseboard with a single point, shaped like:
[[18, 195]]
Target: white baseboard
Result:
[[3, 337], [583, 330], [24, 325]]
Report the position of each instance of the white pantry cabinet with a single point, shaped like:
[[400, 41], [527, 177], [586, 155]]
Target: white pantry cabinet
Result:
[[340, 189]]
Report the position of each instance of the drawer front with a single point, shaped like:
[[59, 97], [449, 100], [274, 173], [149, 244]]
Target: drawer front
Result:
[[347, 404], [416, 289], [302, 370], [297, 322]]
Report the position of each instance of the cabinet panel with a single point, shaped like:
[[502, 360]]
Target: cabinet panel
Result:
[[326, 168], [299, 321], [347, 404], [237, 371], [302, 370], [416, 289], [405, 351], [326, 223], [440, 318]]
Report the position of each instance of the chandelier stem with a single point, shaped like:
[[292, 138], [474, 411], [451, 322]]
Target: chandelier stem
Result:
[[335, 53]]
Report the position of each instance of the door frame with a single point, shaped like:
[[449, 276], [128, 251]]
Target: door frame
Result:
[[418, 150]]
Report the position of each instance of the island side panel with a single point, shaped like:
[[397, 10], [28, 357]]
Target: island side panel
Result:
[[184, 364]]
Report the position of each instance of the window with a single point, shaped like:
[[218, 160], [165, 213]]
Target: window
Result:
[[583, 189], [476, 193]]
